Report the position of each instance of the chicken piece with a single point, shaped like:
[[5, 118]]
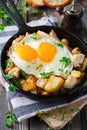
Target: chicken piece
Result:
[[76, 50], [8, 69], [71, 82], [41, 82], [54, 84], [54, 35], [29, 84], [76, 74], [41, 34], [15, 72], [78, 59]]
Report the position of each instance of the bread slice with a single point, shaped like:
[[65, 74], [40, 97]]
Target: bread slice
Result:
[[29, 2], [56, 3], [37, 3]]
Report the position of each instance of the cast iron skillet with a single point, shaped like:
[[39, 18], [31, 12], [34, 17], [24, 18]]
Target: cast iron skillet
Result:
[[80, 90]]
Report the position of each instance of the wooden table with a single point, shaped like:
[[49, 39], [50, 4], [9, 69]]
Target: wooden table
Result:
[[79, 122]]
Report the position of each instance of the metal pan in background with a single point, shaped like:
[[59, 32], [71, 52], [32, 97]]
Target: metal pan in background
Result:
[[80, 90]]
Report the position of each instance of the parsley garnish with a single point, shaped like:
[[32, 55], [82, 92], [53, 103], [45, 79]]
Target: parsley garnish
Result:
[[38, 12], [12, 88], [9, 76], [62, 112], [24, 75], [8, 63], [60, 45], [2, 26], [10, 118], [66, 61], [47, 74], [33, 36]]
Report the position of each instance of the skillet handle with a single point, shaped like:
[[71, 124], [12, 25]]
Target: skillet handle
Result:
[[15, 16]]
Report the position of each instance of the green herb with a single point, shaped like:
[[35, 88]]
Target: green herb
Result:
[[62, 112], [60, 45], [21, 8], [10, 118], [66, 61], [38, 12], [2, 26], [8, 123], [16, 82], [23, 43], [47, 74], [75, 109], [8, 63], [33, 36], [24, 75], [39, 66], [9, 76], [12, 88], [49, 128], [52, 115]]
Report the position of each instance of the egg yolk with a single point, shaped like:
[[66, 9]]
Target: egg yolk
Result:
[[26, 52], [46, 51]]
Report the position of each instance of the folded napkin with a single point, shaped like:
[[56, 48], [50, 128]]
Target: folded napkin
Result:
[[25, 107]]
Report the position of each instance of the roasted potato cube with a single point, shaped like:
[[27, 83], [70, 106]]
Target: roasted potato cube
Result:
[[76, 50], [76, 74], [41, 82], [15, 72], [53, 34], [65, 41], [78, 59], [29, 84], [71, 82], [54, 84]]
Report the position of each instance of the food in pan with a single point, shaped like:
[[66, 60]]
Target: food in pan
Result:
[[43, 64]]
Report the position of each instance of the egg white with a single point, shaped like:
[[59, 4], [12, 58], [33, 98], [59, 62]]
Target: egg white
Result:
[[37, 67]]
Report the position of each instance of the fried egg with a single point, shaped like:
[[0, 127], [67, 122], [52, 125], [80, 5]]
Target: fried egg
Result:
[[36, 56]]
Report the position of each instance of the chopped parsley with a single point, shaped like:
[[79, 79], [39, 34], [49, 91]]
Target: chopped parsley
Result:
[[12, 88], [47, 74], [8, 63], [66, 61], [62, 112], [24, 75], [10, 118], [60, 45], [9, 76], [33, 36], [2, 26]]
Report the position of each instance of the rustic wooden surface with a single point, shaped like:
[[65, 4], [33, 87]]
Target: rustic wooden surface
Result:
[[79, 122]]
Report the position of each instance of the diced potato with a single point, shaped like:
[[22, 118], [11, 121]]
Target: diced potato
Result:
[[78, 59], [54, 84], [8, 69], [76, 74], [29, 84], [41, 82], [76, 50], [53, 34], [65, 41], [15, 72], [71, 82]]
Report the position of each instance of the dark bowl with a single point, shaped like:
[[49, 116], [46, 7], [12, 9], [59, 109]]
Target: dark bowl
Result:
[[74, 41]]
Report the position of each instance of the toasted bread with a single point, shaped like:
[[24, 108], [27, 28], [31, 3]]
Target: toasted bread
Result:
[[37, 3], [29, 2], [56, 3]]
